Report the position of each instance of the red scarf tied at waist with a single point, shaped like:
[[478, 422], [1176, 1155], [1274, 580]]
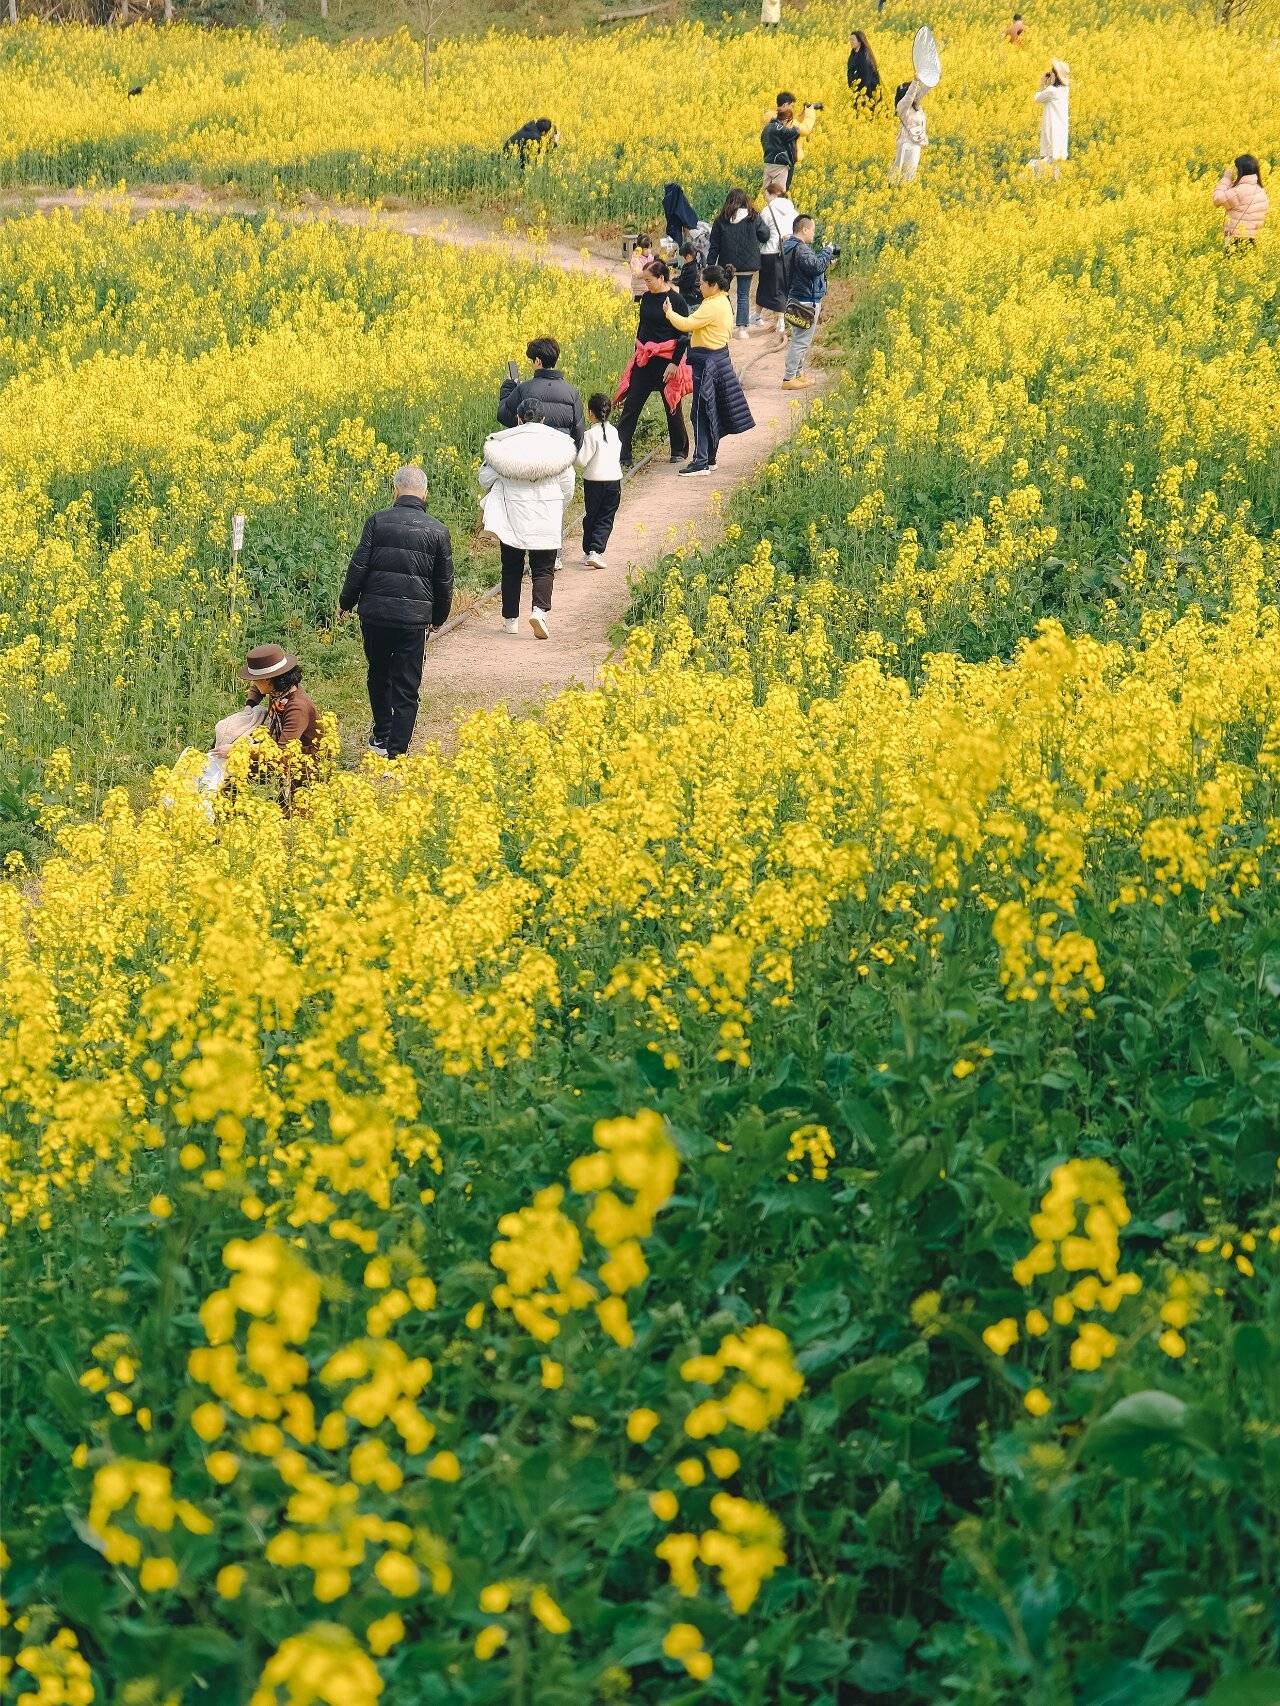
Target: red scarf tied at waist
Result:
[[679, 385]]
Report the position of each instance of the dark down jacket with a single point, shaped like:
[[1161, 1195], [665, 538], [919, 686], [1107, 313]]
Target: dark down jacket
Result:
[[561, 403], [401, 572], [738, 242]]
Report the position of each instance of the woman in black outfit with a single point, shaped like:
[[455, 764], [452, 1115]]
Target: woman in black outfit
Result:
[[864, 73], [658, 353], [736, 237]]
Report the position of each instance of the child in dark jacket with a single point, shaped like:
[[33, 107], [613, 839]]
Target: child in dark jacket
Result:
[[689, 278]]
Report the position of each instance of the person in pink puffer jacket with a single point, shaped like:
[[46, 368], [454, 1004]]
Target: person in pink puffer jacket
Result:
[[1240, 191]]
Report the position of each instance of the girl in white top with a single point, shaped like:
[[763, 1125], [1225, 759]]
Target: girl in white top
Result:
[[1054, 99], [913, 131], [601, 462]]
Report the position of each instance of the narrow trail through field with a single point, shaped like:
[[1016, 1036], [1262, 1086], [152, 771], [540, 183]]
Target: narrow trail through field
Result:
[[473, 663]]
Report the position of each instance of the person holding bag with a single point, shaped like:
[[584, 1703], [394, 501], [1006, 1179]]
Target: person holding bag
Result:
[[779, 216], [806, 272]]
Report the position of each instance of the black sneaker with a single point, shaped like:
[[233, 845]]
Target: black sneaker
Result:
[[696, 468]]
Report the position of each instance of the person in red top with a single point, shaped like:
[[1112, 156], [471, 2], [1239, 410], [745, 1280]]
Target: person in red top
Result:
[[291, 714]]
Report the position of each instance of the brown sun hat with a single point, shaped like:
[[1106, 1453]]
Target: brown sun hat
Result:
[[265, 662]]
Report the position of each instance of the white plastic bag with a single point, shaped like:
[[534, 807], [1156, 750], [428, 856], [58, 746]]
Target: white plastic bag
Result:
[[231, 729]]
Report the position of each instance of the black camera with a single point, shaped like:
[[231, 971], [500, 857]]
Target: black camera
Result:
[[835, 251], [815, 106]]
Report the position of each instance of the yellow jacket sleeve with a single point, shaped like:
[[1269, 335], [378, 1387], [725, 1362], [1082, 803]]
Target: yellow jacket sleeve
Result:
[[689, 322]]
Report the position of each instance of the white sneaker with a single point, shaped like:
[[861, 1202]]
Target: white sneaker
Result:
[[743, 332], [540, 623], [511, 624], [377, 749], [595, 560], [559, 562], [757, 319]]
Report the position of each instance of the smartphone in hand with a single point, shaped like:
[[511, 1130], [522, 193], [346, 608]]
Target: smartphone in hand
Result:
[[513, 373]]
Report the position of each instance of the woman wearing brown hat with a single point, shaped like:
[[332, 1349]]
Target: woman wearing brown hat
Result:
[[291, 714]]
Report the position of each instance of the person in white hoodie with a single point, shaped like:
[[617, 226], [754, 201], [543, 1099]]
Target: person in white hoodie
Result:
[[601, 462], [913, 131], [527, 475], [1054, 100]]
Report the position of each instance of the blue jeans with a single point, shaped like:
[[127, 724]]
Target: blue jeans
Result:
[[743, 283]]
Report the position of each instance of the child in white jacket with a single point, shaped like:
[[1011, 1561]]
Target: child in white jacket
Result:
[[601, 462], [913, 132], [527, 476]]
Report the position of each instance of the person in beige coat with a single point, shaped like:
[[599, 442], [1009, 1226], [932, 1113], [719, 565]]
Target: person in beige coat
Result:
[[1240, 191]]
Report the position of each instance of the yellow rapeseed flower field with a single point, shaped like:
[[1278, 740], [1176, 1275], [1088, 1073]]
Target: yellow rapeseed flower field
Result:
[[758, 1183]]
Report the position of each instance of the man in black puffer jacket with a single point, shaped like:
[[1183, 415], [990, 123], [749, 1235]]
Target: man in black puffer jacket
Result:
[[561, 402], [400, 580]]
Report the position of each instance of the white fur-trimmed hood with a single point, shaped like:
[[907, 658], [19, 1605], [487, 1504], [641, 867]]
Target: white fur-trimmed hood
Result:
[[528, 453]]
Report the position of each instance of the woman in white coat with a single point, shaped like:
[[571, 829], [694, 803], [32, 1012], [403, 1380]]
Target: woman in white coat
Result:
[[1054, 100], [527, 474]]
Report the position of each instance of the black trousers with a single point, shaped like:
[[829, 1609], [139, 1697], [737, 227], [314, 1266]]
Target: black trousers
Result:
[[602, 498], [394, 656], [642, 385], [768, 296], [542, 571]]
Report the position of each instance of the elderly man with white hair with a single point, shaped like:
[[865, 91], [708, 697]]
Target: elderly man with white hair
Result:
[[400, 583]]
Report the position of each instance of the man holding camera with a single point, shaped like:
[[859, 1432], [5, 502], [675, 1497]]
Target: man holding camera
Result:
[[805, 270], [782, 138]]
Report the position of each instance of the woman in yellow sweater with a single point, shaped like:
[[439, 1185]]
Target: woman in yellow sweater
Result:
[[719, 406]]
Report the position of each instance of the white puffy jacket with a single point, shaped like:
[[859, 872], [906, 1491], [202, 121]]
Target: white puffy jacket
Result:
[[528, 474]]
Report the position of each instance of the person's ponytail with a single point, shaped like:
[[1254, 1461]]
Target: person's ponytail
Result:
[[721, 275]]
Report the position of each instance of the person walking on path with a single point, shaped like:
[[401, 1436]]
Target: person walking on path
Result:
[[1240, 191], [913, 131], [1054, 100], [400, 584], [659, 365], [806, 272], [561, 402], [601, 462], [719, 406], [782, 139], [863, 72], [736, 238], [527, 476], [779, 216]]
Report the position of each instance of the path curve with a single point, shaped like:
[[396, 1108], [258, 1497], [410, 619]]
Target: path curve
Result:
[[473, 663]]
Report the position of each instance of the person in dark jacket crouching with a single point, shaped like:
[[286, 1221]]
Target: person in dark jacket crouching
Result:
[[400, 582], [561, 402]]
